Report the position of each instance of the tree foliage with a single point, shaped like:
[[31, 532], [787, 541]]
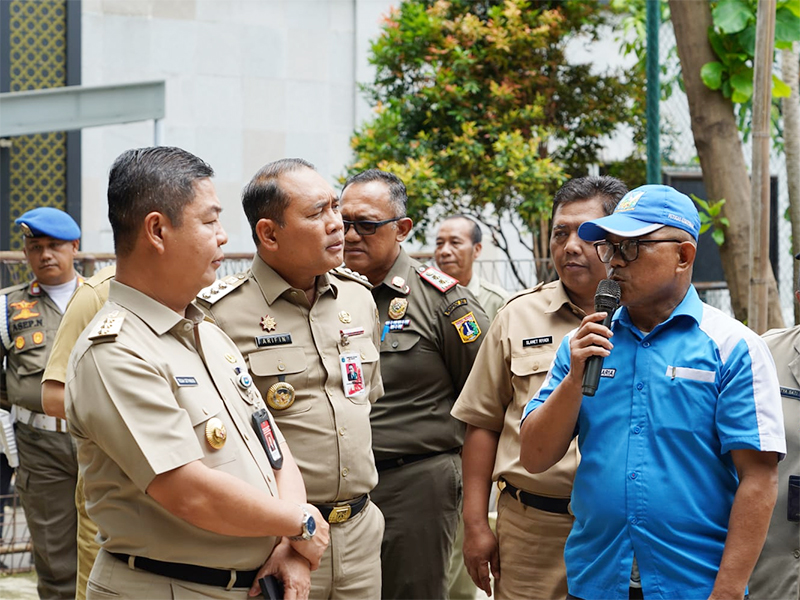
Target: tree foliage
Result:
[[477, 108], [733, 39]]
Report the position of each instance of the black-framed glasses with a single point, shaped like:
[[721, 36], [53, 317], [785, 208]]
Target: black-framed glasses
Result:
[[628, 249], [366, 227]]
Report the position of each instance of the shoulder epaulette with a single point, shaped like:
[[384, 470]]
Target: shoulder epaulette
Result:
[[221, 288], [346, 273], [441, 281], [108, 329], [14, 288]]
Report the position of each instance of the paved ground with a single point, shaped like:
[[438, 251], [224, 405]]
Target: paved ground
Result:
[[18, 587]]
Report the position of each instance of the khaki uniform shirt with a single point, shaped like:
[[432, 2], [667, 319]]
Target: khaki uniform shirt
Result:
[[29, 320], [424, 364], [287, 341], [777, 573], [509, 370], [149, 381], [83, 306], [491, 296]]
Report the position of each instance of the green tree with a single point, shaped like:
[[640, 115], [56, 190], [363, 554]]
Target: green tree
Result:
[[478, 110]]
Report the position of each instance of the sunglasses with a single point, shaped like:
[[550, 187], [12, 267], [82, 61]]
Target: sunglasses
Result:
[[366, 227]]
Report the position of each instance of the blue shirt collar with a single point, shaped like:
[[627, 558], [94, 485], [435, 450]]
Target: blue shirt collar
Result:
[[691, 306]]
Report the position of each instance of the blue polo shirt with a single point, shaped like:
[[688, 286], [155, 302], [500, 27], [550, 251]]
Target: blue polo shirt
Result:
[[656, 476]]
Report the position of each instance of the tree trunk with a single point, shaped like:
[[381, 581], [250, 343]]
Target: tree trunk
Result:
[[791, 139], [719, 148]]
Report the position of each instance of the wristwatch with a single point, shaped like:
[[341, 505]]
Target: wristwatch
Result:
[[309, 527]]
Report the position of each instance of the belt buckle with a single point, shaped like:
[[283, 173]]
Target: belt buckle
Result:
[[340, 514]]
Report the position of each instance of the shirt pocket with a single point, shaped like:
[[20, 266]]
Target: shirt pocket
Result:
[[528, 371], [30, 358], [290, 363], [399, 341], [200, 412], [369, 362]]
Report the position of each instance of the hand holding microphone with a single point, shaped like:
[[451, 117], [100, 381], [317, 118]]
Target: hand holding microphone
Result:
[[606, 299]]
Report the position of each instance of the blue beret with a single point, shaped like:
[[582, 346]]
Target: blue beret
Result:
[[49, 221]]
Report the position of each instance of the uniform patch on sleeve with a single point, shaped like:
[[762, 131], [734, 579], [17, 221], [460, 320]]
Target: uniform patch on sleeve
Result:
[[788, 392], [449, 310], [468, 328]]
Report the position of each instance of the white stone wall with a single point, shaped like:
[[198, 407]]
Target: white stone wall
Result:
[[247, 82]]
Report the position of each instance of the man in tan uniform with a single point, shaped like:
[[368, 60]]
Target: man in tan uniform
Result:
[[186, 475], [777, 572], [48, 469], [527, 555], [458, 245], [83, 306], [309, 333], [431, 333]]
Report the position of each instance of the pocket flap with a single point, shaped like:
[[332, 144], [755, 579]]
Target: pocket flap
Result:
[[530, 364], [369, 353], [277, 361]]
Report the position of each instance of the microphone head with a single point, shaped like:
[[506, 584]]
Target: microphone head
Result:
[[606, 299]]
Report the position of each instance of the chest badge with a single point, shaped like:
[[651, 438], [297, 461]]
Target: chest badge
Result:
[[280, 395], [216, 434], [397, 308], [38, 337], [19, 342], [25, 310], [345, 317], [268, 323]]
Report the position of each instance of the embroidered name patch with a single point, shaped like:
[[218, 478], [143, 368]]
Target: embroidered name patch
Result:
[[276, 339], [608, 373], [790, 393], [449, 310], [537, 341], [184, 381]]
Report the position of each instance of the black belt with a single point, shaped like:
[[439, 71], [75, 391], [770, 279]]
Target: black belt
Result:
[[393, 463], [223, 578], [552, 505], [342, 511]]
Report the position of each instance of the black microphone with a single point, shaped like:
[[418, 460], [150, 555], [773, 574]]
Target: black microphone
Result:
[[606, 299]]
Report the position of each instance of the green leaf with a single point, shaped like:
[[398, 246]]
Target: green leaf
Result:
[[780, 89], [787, 26], [792, 5], [742, 83], [732, 16], [747, 40], [711, 74], [718, 236]]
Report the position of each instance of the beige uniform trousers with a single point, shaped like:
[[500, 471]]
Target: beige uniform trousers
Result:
[[112, 578], [531, 545], [351, 565]]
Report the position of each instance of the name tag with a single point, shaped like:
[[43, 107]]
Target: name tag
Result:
[[276, 339], [537, 341], [184, 381], [790, 393], [608, 373]]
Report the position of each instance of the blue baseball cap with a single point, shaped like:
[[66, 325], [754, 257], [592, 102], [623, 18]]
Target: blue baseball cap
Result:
[[644, 210], [47, 221]]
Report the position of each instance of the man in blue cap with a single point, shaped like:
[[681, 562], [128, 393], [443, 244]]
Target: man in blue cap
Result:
[[29, 317], [681, 443]]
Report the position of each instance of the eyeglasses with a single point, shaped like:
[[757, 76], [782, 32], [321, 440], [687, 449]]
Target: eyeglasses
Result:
[[366, 227], [628, 249]]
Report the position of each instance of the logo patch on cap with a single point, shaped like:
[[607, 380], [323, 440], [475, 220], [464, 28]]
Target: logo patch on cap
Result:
[[629, 202]]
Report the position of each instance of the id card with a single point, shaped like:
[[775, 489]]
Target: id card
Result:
[[352, 374]]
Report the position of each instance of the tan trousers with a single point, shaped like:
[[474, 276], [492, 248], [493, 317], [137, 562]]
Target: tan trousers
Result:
[[531, 545], [87, 544], [351, 566]]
